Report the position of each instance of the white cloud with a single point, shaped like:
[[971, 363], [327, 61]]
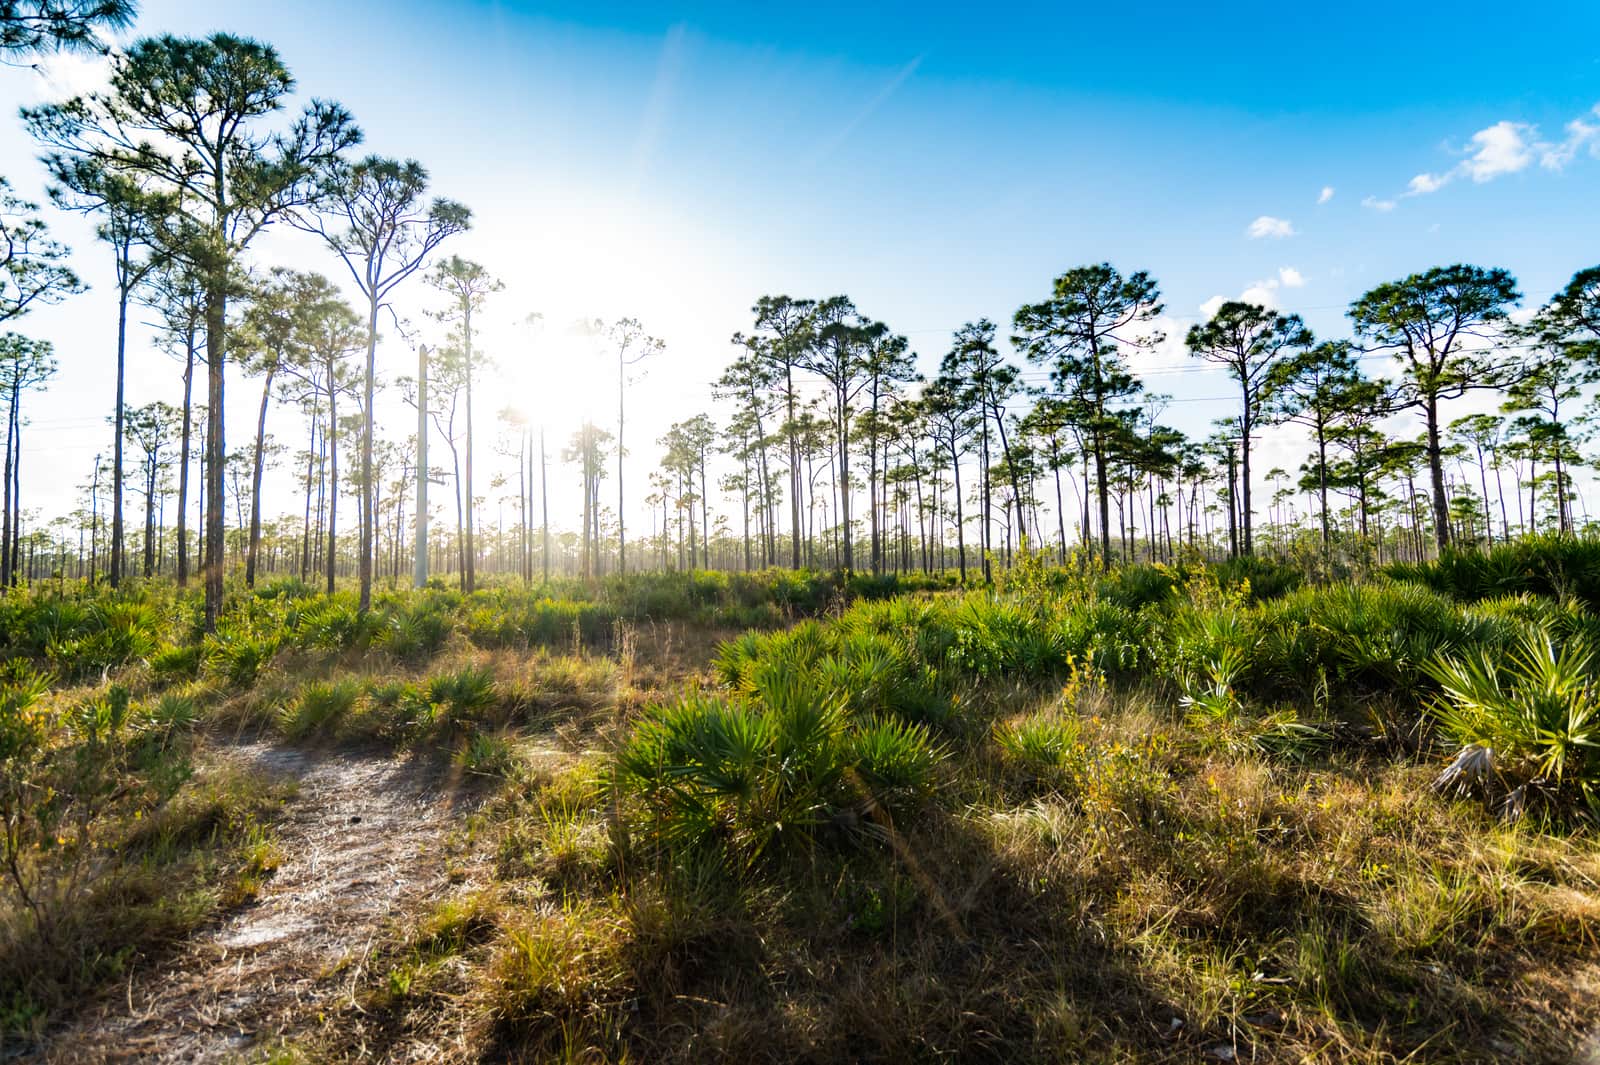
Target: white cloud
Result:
[[1579, 135], [1325, 195], [1501, 149], [1425, 183], [1171, 354], [1504, 148], [1263, 292], [1269, 227], [66, 74]]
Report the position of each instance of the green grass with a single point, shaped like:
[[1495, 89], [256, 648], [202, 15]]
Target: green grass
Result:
[[1162, 814]]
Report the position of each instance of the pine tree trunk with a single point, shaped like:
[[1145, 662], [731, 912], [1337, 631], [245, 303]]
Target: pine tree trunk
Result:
[[215, 501]]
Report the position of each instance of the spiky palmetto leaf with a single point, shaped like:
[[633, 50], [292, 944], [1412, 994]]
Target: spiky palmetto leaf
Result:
[[1531, 716]]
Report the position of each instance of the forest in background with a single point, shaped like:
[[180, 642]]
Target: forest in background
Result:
[[978, 717], [1447, 415]]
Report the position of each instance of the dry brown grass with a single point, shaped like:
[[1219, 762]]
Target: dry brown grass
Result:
[[201, 854], [1174, 903], [1164, 898]]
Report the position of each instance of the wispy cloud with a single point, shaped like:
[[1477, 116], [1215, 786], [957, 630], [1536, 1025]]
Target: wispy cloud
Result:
[[1269, 228], [893, 86], [1423, 183], [1325, 195], [669, 67], [1506, 147], [1581, 134]]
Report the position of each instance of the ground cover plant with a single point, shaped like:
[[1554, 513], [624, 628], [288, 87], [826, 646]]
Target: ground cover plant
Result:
[[1158, 813], [1079, 671]]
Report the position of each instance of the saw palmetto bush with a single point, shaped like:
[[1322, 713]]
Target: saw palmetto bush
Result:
[[334, 623], [78, 638], [1550, 565], [1362, 640], [416, 631], [1527, 722], [320, 706], [748, 778]]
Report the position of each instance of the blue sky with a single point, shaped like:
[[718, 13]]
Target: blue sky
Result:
[[936, 163]]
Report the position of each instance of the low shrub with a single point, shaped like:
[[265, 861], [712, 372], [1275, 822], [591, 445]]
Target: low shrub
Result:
[[462, 696], [66, 775], [321, 705], [417, 630], [1527, 722], [1555, 566], [1045, 748], [747, 779], [334, 624], [237, 658], [181, 662]]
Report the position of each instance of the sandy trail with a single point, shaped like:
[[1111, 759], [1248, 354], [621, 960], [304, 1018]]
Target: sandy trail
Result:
[[359, 843]]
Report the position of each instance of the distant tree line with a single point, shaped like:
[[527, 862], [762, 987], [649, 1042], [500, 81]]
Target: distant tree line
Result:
[[824, 445]]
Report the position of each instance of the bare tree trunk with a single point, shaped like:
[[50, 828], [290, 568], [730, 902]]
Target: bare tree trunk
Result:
[[5, 510], [622, 537], [794, 466], [544, 503], [255, 481], [961, 535], [1441, 505], [419, 561], [116, 444], [470, 549], [332, 442], [311, 462], [186, 444], [368, 514], [216, 503]]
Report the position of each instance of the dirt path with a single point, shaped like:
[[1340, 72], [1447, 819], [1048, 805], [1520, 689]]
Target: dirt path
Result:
[[360, 842]]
